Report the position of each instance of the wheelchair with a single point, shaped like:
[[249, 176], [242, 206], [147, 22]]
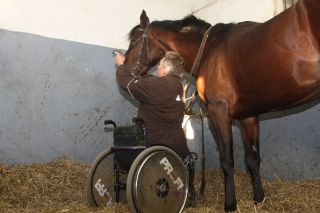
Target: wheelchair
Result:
[[149, 179]]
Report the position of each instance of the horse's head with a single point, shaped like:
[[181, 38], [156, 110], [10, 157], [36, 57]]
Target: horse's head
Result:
[[150, 41], [143, 52]]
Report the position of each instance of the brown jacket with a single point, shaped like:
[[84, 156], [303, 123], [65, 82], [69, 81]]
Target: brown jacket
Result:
[[161, 107]]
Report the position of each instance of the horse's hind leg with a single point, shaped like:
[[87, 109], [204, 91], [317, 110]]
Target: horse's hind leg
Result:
[[250, 135], [221, 124]]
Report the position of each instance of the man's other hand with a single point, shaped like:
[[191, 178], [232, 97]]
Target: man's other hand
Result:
[[119, 59]]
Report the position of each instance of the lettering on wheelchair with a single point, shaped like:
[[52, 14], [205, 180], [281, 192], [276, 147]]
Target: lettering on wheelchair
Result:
[[103, 191], [171, 173]]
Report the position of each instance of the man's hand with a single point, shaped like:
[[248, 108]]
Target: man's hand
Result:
[[119, 59]]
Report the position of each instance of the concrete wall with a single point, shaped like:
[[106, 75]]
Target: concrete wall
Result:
[[58, 85], [54, 96]]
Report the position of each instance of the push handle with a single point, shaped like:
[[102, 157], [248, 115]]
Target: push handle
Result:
[[107, 122]]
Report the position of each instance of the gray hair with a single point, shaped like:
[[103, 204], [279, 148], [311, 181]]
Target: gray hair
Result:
[[174, 64]]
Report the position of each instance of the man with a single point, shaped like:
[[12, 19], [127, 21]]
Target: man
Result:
[[161, 104]]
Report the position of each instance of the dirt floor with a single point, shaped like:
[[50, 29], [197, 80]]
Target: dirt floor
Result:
[[59, 186]]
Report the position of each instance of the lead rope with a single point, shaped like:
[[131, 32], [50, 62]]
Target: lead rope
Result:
[[203, 157]]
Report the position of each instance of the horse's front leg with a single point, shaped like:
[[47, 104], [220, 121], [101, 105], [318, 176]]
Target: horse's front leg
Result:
[[221, 124], [250, 135]]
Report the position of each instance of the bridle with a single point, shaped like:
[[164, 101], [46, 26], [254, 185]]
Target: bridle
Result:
[[136, 71]]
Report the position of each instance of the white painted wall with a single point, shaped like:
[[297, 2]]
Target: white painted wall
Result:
[[107, 22], [226, 11]]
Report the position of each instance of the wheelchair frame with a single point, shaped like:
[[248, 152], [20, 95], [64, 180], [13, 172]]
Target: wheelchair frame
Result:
[[157, 179]]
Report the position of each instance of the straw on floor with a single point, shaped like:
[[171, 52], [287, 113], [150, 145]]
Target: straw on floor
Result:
[[59, 186]]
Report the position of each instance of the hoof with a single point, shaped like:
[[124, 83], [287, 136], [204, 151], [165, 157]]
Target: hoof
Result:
[[230, 208], [258, 198]]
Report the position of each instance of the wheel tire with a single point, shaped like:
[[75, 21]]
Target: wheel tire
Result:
[[101, 177], [150, 188]]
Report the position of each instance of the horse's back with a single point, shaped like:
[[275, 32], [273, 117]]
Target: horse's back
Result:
[[266, 66]]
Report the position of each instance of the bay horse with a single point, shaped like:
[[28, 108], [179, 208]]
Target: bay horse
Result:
[[245, 69]]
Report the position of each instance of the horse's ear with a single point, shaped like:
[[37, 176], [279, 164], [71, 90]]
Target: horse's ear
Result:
[[144, 20]]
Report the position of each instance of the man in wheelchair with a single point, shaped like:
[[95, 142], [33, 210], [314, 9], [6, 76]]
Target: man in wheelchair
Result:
[[161, 106]]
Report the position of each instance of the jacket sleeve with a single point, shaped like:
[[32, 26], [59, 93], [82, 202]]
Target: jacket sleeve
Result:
[[139, 88], [123, 77]]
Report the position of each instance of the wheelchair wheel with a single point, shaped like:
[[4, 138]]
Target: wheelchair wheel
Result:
[[101, 180], [157, 182]]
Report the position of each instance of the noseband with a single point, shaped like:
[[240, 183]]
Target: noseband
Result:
[[136, 71]]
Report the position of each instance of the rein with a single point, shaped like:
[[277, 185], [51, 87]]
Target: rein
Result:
[[194, 69], [200, 51], [195, 65]]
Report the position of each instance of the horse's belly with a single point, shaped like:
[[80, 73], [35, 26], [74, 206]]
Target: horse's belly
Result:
[[300, 84], [281, 100]]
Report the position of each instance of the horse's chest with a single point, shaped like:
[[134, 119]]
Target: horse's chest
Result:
[[200, 83], [215, 85]]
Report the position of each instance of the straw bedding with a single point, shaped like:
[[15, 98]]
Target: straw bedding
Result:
[[59, 186]]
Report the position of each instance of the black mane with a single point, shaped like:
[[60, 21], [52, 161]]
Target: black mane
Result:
[[132, 32], [188, 21], [176, 25]]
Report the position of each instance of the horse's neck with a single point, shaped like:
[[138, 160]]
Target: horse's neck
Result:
[[187, 50]]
